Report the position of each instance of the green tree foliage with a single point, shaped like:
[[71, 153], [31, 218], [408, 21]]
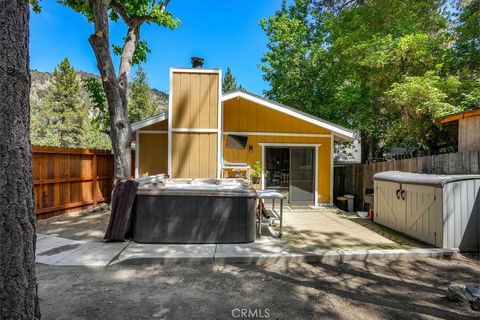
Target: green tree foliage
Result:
[[133, 50], [99, 108], [465, 62], [62, 117], [415, 102], [140, 101], [467, 37], [94, 138], [229, 82], [365, 63], [141, 104], [59, 120]]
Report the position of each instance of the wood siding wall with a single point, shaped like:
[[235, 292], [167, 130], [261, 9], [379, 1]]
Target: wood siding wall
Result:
[[70, 179], [194, 155], [153, 154], [194, 106], [195, 100], [469, 134], [324, 159], [354, 179], [241, 115]]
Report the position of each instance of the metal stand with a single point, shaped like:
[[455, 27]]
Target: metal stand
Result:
[[273, 214]]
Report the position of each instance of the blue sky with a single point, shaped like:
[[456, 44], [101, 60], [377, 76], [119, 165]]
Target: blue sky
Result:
[[224, 32]]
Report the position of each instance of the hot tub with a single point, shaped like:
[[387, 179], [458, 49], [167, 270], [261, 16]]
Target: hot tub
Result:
[[194, 211]]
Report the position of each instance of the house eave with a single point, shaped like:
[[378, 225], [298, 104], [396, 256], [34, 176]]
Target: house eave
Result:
[[340, 133], [149, 121]]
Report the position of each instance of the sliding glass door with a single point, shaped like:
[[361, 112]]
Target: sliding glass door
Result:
[[291, 170], [277, 166], [302, 174]]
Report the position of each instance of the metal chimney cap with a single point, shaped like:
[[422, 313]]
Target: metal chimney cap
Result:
[[197, 62]]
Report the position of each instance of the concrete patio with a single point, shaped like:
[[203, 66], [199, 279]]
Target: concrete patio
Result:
[[325, 229], [311, 235]]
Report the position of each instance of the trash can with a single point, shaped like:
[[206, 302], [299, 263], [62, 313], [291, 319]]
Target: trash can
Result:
[[342, 203], [350, 199]]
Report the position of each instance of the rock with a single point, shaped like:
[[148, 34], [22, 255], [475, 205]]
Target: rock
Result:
[[473, 289], [161, 313], [476, 304], [457, 293], [465, 294]]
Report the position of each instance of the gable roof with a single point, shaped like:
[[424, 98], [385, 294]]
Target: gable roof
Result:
[[149, 121], [336, 129], [339, 131]]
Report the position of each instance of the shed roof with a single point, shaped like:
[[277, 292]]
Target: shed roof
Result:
[[458, 116], [434, 180]]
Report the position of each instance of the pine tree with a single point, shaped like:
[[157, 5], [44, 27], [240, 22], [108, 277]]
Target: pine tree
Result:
[[229, 82], [59, 120], [140, 104]]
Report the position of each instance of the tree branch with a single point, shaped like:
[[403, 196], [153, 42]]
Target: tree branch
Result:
[[121, 11], [165, 4], [131, 41], [100, 42], [142, 19]]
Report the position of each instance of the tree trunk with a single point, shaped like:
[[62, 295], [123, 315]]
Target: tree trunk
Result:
[[115, 92], [365, 147], [120, 131], [18, 287]]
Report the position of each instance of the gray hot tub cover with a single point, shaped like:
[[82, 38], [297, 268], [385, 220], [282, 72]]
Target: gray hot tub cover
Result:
[[434, 180]]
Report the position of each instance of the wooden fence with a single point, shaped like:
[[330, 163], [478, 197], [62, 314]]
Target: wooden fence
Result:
[[354, 179], [70, 179]]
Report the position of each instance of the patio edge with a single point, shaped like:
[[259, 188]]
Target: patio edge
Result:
[[332, 256]]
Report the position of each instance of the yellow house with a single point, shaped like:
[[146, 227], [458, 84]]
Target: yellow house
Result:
[[205, 132]]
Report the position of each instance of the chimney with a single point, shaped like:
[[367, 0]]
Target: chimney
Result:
[[197, 62]]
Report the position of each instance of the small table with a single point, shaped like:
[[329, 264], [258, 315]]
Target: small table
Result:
[[274, 215], [235, 169]]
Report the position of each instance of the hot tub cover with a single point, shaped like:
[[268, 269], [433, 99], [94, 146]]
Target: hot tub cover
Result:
[[198, 187], [434, 180]]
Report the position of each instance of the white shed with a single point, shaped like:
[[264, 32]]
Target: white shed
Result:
[[442, 210]]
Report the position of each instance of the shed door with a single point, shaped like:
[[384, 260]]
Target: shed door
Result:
[[389, 210], [423, 213]]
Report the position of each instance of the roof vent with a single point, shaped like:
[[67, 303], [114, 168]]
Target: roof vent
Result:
[[197, 62]]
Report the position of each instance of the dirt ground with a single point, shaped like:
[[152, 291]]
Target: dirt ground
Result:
[[90, 228], [380, 289]]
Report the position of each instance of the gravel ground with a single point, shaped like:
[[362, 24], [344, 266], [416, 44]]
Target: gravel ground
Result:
[[379, 289]]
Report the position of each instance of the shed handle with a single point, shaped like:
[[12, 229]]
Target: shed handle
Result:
[[402, 194], [398, 197]]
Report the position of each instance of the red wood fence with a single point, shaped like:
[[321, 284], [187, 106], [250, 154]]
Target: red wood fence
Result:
[[70, 179]]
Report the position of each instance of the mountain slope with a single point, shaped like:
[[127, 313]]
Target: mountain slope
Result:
[[42, 81]]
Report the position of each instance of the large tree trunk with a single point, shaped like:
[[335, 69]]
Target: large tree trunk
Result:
[[18, 287]]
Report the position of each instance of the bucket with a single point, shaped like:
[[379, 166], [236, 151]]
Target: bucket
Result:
[[350, 199], [342, 203]]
